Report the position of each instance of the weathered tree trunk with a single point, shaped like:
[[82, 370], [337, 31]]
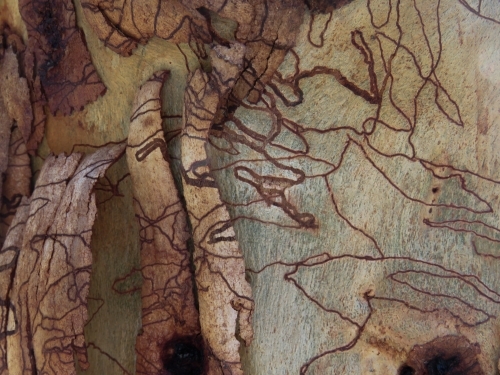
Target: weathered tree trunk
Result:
[[250, 187]]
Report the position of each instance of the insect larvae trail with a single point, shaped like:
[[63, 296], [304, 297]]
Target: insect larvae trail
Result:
[[224, 295], [169, 315]]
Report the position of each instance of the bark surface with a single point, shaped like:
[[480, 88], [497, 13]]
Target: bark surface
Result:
[[310, 187]]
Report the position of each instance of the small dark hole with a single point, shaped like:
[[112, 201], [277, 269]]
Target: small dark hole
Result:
[[407, 370], [218, 126], [204, 12], [441, 366], [325, 6], [435, 190], [232, 108], [183, 356]]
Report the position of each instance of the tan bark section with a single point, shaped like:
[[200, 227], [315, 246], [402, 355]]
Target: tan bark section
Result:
[[17, 180], [15, 124], [121, 28], [5, 127], [363, 183], [268, 28], [272, 33], [57, 55], [224, 295], [8, 261], [169, 315], [15, 93], [50, 286]]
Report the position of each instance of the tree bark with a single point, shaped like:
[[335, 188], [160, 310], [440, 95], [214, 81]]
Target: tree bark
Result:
[[278, 187]]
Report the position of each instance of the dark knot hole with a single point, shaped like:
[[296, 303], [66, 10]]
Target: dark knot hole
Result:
[[183, 356]]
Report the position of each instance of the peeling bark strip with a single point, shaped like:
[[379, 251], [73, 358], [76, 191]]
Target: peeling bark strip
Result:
[[22, 96], [268, 28], [273, 31], [224, 295], [16, 181], [15, 116], [8, 261], [122, 26], [57, 46], [169, 316], [5, 126], [15, 93], [50, 286]]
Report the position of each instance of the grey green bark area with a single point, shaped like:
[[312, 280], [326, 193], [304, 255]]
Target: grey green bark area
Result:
[[358, 158], [404, 191]]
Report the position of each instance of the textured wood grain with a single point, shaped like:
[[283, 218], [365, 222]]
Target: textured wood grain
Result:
[[15, 93], [16, 118], [8, 261], [361, 180], [5, 130], [169, 316], [17, 180], [57, 56], [51, 281], [381, 126], [224, 296]]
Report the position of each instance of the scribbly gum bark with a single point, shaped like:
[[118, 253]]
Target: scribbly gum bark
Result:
[[169, 315], [371, 129], [224, 296], [57, 54], [8, 257], [50, 285], [15, 130], [308, 187]]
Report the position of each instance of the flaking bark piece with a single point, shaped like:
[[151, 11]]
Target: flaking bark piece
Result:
[[38, 103], [16, 181], [23, 91], [169, 315], [122, 25], [51, 282], [15, 93], [224, 295], [67, 75], [5, 128], [272, 34], [8, 260], [267, 27], [16, 117]]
